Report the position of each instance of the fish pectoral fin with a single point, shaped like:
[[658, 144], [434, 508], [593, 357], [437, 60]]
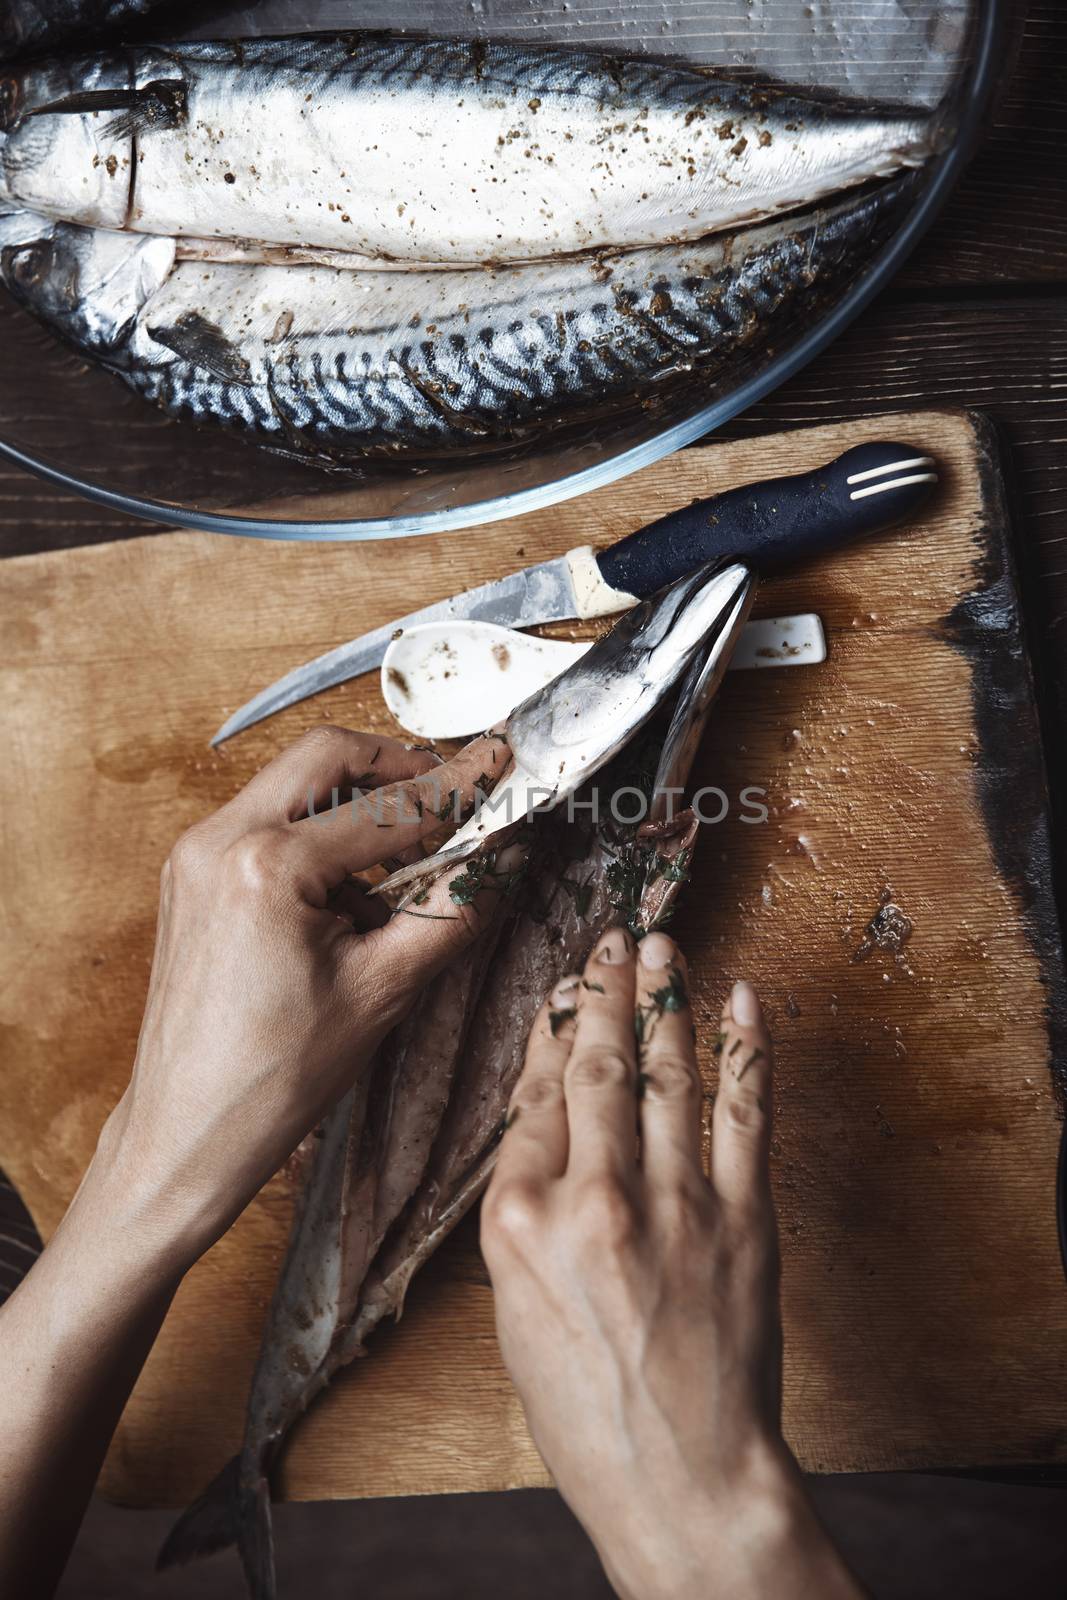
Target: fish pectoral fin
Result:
[[204, 344], [160, 104]]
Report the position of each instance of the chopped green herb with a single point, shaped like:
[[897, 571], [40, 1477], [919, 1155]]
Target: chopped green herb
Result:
[[673, 996], [757, 1055], [674, 868], [643, 1080], [556, 1019], [479, 874], [449, 808], [596, 988], [464, 889], [624, 881], [512, 1117], [735, 1047], [716, 1048]]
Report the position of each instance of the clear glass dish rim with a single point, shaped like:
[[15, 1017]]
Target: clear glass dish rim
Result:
[[947, 168]]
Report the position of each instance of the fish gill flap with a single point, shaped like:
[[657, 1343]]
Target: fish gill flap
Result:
[[569, 729]]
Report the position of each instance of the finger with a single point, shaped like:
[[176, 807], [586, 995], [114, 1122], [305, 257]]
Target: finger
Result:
[[600, 1079], [741, 1126], [335, 844], [670, 1088], [421, 938], [535, 1142], [303, 777]]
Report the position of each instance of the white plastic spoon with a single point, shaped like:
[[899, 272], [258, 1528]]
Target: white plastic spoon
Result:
[[444, 680]]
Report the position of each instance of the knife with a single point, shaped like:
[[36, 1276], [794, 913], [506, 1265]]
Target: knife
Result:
[[768, 525]]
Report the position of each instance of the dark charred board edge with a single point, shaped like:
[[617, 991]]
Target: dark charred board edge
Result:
[[987, 627]]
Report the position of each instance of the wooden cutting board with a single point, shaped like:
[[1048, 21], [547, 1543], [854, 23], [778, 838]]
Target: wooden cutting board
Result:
[[917, 1132]]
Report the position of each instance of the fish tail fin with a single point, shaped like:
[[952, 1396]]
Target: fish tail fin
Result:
[[211, 1523], [255, 1538]]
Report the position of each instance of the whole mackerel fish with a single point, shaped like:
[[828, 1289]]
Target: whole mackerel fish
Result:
[[331, 365], [457, 1058], [410, 150]]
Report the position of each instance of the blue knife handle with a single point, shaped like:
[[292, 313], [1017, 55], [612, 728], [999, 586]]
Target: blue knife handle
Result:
[[778, 522]]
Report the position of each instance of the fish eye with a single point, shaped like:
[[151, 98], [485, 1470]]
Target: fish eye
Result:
[[29, 264], [10, 101]]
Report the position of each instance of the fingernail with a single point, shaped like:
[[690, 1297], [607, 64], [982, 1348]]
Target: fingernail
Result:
[[744, 1004], [656, 951], [614, 946], [564, 990]]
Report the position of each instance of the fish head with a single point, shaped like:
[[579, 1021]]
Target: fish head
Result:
[[63, 148], [87, 284], [567, 731]]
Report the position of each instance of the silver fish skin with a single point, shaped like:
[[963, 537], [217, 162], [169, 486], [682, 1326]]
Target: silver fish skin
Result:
[[426, 151], [300, 1328], [330, 364]]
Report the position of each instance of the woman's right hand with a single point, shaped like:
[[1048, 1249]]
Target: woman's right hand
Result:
[[275, 976], [637, 1299]]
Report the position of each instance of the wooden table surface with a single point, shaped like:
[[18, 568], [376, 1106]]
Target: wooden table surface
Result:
[[978, 318]]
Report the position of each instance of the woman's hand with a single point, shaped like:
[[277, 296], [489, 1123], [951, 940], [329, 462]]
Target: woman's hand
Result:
[[273, 980], [637, 1300]]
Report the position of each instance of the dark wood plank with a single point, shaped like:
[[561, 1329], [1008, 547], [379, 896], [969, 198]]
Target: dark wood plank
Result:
[[1007, 221]]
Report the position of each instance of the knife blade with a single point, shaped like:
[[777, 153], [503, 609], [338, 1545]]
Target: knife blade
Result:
[[770, 524]]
